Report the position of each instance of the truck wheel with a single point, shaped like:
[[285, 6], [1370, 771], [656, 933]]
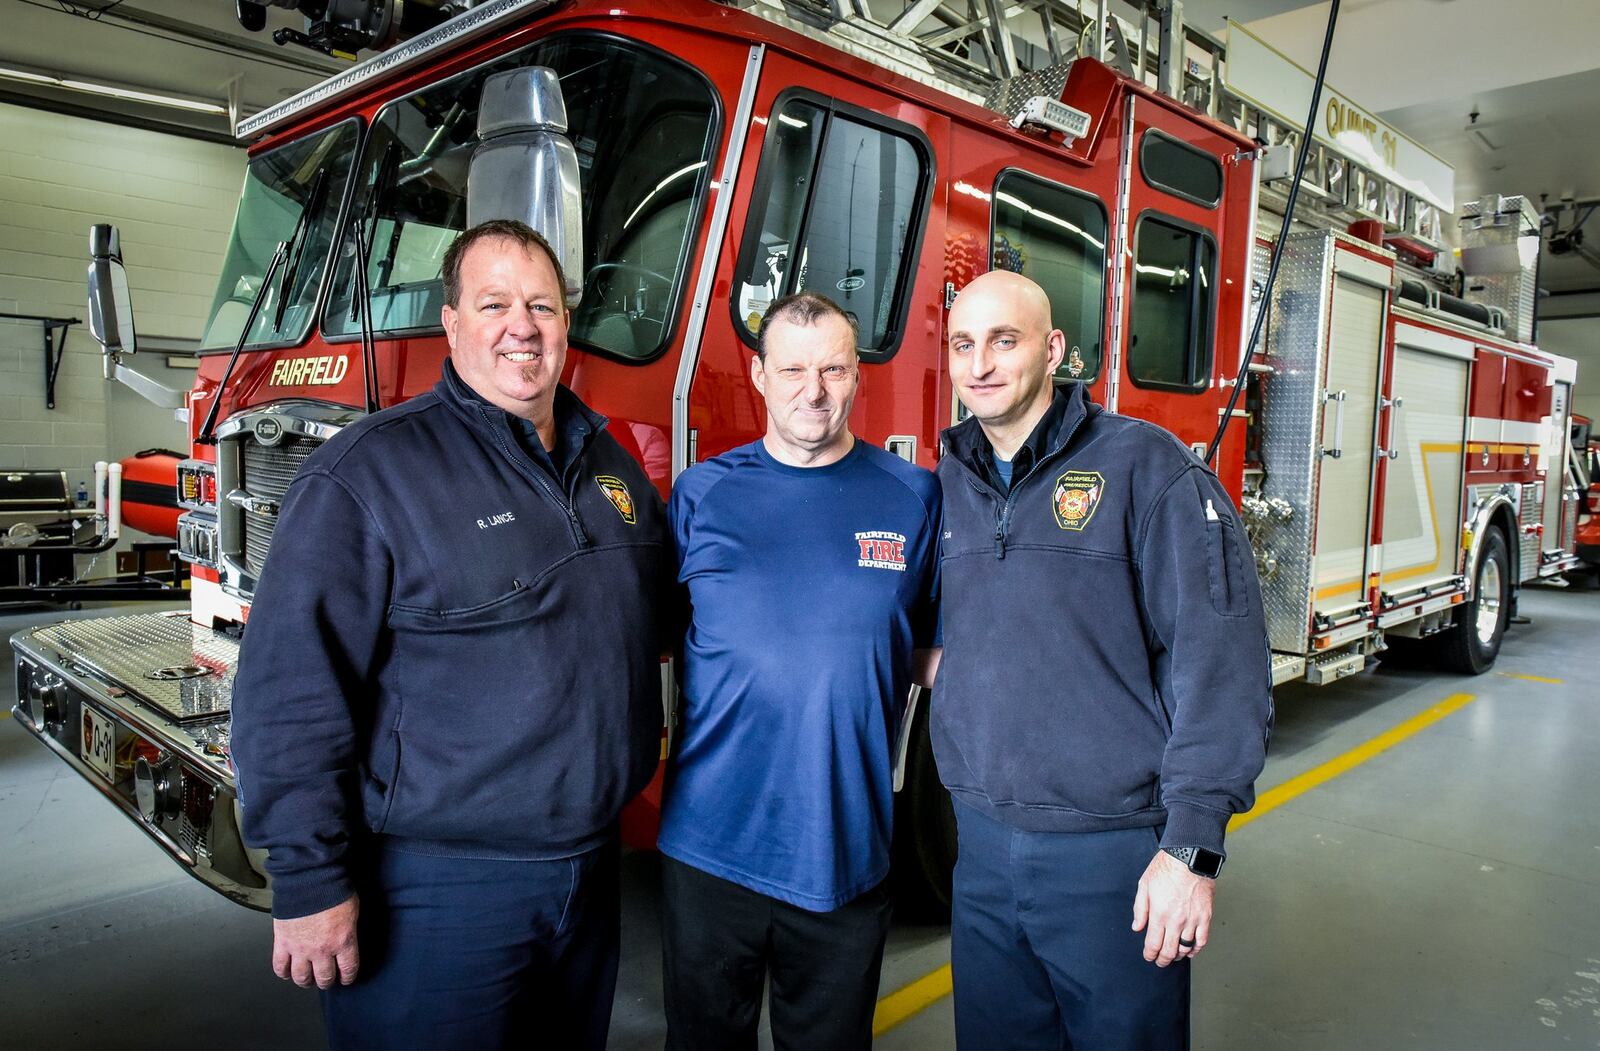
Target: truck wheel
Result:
[[924, 853], [1471, 647]]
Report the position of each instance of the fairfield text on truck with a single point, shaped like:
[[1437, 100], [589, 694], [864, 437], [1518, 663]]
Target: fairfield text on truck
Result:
[[1400, 452]]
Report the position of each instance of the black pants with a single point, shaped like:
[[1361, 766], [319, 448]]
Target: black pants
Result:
[[720, 940], [478, 955]]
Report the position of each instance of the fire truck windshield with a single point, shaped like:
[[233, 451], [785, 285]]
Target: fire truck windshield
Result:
[[643, 126], [279, 187]]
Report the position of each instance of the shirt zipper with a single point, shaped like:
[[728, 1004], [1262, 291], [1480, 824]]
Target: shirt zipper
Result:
[[1003, 523], [580, 537]]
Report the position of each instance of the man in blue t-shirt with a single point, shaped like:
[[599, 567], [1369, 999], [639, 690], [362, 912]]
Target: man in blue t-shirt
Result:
[[810, 561]]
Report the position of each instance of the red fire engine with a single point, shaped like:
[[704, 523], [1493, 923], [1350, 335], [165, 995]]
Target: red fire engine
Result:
[[1399, 453]]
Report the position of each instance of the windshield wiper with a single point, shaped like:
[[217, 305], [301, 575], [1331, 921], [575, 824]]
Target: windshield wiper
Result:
[[360, 292], [298, 238], [280, 256], [369, 352], [388, 169]]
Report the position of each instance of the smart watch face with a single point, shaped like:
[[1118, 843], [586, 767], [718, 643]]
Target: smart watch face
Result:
[[1206, 863]]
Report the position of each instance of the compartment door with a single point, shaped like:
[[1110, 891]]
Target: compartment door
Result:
[[1553, 461], [1422, 489], [1349, 438]]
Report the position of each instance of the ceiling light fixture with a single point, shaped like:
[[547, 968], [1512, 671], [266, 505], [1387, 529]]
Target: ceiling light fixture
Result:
[[110, 91]]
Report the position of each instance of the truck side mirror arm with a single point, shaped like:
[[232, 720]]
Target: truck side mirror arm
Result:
[[111, 318]]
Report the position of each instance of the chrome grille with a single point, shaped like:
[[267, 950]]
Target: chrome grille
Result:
[[265, 472]]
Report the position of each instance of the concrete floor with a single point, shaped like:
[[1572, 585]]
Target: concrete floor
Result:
[[1442, 894]]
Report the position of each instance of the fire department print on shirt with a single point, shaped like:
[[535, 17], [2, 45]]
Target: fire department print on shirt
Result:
[[617, 492], [1076, 495], [879, 549]]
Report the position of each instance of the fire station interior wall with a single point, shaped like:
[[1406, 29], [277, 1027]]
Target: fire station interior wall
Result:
[[173, 200], [1577, 338]]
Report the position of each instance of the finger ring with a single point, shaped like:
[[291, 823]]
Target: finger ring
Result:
[[1186, 943]]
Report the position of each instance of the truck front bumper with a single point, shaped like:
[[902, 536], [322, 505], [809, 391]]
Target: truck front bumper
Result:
[[139, 706]]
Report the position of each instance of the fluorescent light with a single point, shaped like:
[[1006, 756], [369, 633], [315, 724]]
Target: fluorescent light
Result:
[[17, 74], [110, 91], [792, 122]]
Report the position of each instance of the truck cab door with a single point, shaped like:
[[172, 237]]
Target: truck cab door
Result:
[[835, 194], [1186, 237], [1027, 208]]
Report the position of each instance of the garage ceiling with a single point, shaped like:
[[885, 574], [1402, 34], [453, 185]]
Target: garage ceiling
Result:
[[1532, 77], [192, 49]]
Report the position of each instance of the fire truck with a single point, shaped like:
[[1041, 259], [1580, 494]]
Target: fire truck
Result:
[[1398, 444]]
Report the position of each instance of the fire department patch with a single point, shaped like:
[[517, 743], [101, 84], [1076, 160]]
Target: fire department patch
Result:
[[1076, 495], [881, 549], [617, 492]]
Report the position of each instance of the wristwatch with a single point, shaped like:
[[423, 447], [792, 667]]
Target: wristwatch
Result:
[[1199, 860]]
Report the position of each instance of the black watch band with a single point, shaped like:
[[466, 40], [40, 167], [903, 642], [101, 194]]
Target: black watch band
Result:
[[1198, 860]]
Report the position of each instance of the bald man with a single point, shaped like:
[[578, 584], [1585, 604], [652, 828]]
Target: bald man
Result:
[[1104, 697]]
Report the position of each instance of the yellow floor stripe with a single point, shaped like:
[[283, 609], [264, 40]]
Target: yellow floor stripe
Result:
[[1274, 798], [909, 1000], [1532, 678], [903, 1003]]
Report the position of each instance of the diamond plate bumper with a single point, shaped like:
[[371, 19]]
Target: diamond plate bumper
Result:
[[163, 686]]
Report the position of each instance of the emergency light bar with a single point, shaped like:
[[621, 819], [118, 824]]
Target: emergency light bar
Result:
[[1042, 111]]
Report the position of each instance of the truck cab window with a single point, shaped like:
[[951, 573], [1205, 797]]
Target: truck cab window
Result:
[[1169, 333], [642, 126], [303, 179], [1180, 169], [837, 204], [1057, 237]]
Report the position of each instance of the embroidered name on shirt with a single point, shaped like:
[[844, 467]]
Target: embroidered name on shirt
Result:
[[493, 520], [881, 550]]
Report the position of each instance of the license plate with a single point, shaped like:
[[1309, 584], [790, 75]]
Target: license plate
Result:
[[99, 743]]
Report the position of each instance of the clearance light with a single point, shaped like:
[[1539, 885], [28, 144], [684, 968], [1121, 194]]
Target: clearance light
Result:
[[110, 91], [197, 485]]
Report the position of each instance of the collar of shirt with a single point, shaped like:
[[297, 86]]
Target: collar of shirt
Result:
[[571, 431], [1031, 451], [573, 428]]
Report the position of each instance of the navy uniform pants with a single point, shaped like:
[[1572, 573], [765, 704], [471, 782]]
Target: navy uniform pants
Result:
[[1042, 946], [464, 953]]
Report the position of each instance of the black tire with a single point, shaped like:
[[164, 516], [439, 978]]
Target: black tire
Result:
[[1471, 646], [924, 851]]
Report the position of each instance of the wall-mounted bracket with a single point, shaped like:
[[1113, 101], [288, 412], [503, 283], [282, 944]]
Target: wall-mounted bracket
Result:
[[55, 346]]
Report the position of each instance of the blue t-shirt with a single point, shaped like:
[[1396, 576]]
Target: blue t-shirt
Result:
[[1002, 470], [810, 587]]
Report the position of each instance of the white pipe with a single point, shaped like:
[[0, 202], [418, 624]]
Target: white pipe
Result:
[[114, 519], [100, 489]]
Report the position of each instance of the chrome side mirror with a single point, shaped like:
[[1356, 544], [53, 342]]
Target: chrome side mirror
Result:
[[524, 166], [111, 318], [110, 307]]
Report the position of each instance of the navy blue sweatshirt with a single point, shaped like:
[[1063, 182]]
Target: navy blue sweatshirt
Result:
[[1105, 661], [449, 646]]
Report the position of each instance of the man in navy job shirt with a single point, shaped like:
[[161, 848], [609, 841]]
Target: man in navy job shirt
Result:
[[810, 560]]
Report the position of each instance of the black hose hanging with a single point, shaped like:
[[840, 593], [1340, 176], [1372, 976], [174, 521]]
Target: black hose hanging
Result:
[[1283, 234]]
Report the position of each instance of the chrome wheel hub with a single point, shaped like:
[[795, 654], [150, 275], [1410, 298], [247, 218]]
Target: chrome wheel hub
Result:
[[1488, 601]]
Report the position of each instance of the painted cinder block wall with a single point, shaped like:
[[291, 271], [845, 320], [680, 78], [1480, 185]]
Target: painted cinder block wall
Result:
[[173, 200]]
